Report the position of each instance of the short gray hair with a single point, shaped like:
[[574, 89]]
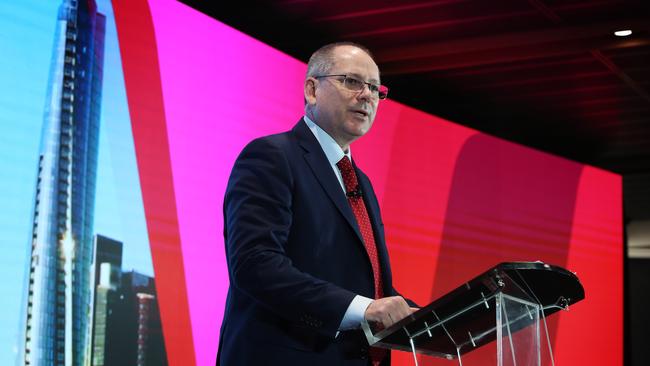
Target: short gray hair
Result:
[[321, 61]]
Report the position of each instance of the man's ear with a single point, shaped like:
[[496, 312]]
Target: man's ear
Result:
[[310, 90]]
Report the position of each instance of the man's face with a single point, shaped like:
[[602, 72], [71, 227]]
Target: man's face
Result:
[[345, 114]]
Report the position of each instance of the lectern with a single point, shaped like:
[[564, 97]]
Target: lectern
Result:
[[508, 304]]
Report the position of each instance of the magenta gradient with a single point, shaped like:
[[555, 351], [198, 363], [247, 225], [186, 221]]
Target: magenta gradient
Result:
[[221, 89]]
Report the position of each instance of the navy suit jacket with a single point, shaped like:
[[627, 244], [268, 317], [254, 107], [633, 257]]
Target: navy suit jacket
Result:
[[295, 256]]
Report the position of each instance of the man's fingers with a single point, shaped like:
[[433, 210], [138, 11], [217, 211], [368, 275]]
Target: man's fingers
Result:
[[386, 320], [388, 310]]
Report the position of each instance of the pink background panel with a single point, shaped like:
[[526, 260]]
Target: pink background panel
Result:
[[221, 89]]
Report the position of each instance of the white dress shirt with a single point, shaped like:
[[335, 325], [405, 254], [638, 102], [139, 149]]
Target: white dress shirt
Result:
[[334, 153]]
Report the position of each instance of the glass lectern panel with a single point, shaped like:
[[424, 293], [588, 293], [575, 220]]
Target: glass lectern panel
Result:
[[506, 304]]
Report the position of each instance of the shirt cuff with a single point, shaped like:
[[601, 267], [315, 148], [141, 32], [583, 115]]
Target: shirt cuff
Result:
[[355, 313]]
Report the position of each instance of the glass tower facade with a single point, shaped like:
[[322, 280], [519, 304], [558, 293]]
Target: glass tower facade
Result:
[[57, 320]]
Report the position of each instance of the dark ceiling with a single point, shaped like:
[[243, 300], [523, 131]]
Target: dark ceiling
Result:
[[544, 73]]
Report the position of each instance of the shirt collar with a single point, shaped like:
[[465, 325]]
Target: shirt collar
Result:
[[332, 150]]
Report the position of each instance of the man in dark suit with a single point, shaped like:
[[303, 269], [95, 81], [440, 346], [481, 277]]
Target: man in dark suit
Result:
[[304, 236]]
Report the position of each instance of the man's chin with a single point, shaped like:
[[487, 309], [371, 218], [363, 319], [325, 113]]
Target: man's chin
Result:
[[358, 128], [353, 136]]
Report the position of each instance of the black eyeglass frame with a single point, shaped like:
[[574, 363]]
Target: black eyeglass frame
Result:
[[380, 90]]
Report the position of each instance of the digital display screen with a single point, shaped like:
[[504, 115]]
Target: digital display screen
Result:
[[455, 202]]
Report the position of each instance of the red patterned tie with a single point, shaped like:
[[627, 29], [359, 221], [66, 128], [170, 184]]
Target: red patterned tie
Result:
[[363, 220]]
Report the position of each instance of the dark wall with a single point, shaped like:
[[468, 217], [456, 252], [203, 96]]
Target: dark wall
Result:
[[638, 309]]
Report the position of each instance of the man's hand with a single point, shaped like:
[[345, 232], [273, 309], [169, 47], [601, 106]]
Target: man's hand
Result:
[[388, 311]]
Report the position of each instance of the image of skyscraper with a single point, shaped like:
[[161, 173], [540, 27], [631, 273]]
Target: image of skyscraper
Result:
[[107, 250], [106, 297], [108, 271], [126, 319], [57, 320], [128, 329]]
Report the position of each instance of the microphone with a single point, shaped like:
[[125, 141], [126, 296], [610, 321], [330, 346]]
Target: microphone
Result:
[[356, 193]]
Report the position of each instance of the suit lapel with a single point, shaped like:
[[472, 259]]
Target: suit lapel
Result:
[[320, 166]]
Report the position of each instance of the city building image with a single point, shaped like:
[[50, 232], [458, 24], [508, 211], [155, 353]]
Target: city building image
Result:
[[126, 320], [59, 293], [80, 307]]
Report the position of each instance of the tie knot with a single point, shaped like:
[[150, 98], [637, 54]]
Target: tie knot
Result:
[[348, 174], [345, 166]]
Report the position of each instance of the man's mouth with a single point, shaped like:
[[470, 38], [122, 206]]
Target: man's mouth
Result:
[[360, 112]]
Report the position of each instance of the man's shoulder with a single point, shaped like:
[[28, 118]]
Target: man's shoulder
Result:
[[283, 140], [277, 141], [276, 138], [267, 158]]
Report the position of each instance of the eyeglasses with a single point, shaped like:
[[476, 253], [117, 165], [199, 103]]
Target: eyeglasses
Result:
[[354, 84]]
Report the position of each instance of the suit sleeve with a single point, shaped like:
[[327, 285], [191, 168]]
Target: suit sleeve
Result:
[[257, 223]]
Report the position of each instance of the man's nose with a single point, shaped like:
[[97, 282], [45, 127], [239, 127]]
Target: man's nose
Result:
[[365, 92]]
